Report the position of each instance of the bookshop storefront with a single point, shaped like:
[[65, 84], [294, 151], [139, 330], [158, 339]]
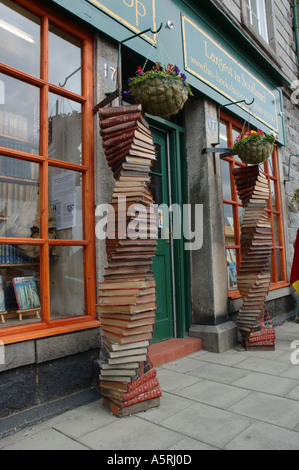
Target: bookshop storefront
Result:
[[58, 60]]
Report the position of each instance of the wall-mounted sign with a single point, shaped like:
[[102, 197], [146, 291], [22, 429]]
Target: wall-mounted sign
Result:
[[208, 60], [137, 15]]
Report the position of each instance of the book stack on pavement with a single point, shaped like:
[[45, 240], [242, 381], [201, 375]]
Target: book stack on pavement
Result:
[[254, 277], [127, 296]]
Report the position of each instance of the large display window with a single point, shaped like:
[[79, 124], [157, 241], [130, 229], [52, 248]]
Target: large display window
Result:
[[47, 258], [234, 211]]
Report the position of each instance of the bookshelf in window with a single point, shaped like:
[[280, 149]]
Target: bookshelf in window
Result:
[[19, 188]]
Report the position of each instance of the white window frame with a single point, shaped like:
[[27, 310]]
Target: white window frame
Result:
[[257, 10]]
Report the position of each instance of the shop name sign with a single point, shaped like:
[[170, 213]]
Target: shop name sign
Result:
[[207, 60], [137, 15]]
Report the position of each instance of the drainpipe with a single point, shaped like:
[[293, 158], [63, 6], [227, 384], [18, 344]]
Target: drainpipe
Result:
[[296, 28]]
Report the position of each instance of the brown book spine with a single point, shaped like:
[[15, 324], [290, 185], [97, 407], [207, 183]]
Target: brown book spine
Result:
[[109, 132], [114, 141], [114, 151], [118, 110], [116, 120]]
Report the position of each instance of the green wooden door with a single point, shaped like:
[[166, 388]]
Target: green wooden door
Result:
[[162, 262]]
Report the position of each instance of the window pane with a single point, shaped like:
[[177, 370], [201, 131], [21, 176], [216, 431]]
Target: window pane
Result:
[[65, 196], [231, 269], [229, 225], [19, 286], [278, 264], [226, 185], [67, 283], [223, 135], [19, 116], [64, 129], [64, 60], [19, 38], [19, 215]]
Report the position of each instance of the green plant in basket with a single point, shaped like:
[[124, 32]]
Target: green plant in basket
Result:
[[162, 91], [254, 147]]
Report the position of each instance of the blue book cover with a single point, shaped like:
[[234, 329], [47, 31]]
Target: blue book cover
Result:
[[2, 296], [26, 292]]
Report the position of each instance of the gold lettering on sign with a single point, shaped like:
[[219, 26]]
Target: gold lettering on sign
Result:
[[139, 8]]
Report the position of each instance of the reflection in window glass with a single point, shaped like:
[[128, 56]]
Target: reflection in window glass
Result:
[[64, 60], [19, 38], [65, 196], [226, 184], [19, 214], [19, 116], [64, 129], [67, 283]]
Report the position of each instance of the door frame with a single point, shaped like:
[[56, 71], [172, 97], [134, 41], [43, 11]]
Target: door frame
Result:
[[180, 259]]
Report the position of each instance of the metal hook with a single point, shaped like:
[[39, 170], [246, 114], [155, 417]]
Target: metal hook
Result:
[[225, 106]]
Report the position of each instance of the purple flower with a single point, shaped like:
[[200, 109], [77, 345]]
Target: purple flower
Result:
[[127, 94], [184, 78], [129, 81], [177, 70]]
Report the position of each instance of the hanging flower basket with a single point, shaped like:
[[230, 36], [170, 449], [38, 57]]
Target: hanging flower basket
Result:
[[254, 147], [161, 91]]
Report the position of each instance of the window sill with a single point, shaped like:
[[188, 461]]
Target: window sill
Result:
[[42, 330], [233, 295]]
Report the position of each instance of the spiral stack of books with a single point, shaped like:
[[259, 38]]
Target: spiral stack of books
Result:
[[254, 276], [127, 297]]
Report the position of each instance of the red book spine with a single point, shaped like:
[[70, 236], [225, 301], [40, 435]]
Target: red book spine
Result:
[[142, 380], [155, 393], [149, 385]]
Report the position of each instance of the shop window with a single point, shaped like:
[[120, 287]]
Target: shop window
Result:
[[47, 271], [233, 211]]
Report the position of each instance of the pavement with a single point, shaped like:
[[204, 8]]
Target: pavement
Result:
[[239, 400]]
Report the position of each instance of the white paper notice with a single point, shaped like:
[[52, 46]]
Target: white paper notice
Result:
[[64, 200]]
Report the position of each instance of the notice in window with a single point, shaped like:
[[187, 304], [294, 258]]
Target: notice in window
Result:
[[64, 200]]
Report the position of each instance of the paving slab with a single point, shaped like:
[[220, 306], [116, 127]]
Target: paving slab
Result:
[[267, 384], [214, 394], [270, 409], [208, 424], [218, 373], [130, 433], [263, 436], [49, 439]]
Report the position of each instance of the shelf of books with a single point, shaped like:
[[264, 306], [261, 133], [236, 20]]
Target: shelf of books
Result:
[[19, 289], [19, 182]]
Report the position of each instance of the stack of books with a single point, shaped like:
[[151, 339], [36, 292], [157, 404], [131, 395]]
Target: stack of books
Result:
[[254, 276], [127, 296]]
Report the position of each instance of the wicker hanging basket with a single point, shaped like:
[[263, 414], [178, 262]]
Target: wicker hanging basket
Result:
[[161, 96], [255, 152]]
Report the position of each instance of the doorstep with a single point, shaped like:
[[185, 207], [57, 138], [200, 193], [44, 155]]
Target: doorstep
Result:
[[172, 349]]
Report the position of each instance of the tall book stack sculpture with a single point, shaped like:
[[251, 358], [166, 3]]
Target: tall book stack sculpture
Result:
[[127, 297], [254, 277]]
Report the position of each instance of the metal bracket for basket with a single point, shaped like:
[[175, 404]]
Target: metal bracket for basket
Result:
[[225, 106], [118, 92]]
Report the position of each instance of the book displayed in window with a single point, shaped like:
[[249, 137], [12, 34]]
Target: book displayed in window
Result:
[[26, 293], [2, 296]]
